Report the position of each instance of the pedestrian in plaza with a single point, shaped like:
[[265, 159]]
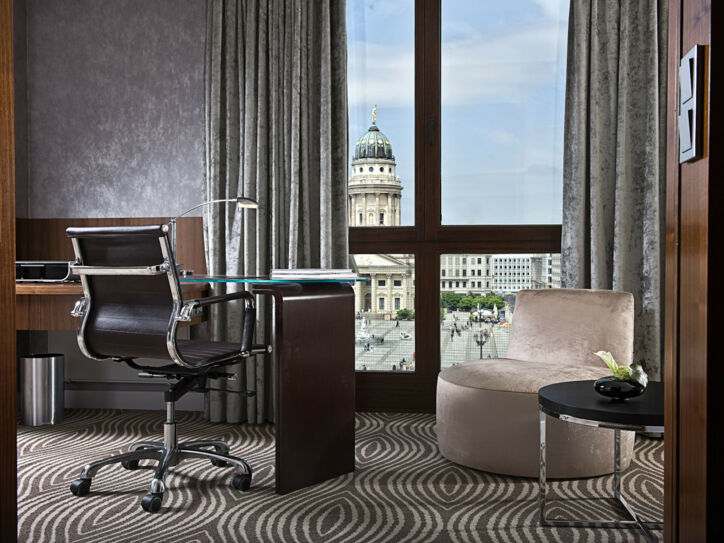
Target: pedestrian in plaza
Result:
[[398, 324], [394, 367], [452, 333], [364, 367]]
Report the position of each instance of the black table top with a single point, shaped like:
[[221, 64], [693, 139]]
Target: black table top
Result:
[[579, 399]]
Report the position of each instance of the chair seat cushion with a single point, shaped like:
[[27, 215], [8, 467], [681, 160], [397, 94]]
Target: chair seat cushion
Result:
[[511, 375], [195, 351]]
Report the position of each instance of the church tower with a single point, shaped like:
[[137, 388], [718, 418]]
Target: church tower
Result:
[[374, 191]]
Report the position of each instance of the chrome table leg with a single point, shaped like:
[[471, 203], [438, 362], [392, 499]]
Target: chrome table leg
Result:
[[635, 521]]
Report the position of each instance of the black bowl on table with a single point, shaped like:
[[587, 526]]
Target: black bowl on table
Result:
[[618, 390]]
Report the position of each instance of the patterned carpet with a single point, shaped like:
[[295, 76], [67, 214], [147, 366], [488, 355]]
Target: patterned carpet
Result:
[[402, 490]]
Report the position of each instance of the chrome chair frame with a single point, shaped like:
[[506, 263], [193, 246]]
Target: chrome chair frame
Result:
[[191, 377]]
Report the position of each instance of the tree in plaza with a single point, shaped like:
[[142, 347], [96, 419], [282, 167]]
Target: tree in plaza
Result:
[[405, 315], [466, 303], [494, 299], [450, 300], [487, 302]]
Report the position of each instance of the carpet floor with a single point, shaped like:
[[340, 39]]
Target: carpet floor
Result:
[[401, 491]]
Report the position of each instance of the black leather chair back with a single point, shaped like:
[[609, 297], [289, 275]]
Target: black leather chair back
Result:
[[128, 315]]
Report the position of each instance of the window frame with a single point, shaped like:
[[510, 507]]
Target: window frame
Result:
[[429, 238]]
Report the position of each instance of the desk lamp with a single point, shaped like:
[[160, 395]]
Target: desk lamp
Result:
[[241, 202]]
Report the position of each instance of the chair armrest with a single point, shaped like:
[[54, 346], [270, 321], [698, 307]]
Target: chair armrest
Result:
[[186, 312], [203, 302]]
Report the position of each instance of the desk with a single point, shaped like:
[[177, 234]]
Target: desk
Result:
[[47, 306], [314, 394], [313, 360]]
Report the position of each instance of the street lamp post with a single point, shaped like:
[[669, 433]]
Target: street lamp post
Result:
[[480, 340]]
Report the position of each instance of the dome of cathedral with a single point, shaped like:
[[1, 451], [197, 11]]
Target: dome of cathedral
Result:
[[373, 144]]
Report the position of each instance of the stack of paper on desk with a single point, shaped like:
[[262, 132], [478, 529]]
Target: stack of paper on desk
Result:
[[313, 273]]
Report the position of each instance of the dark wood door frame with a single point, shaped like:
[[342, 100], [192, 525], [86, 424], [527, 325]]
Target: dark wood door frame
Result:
[[8, 400]]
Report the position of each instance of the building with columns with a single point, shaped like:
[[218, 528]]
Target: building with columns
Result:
[[390, 286], [374, 190]]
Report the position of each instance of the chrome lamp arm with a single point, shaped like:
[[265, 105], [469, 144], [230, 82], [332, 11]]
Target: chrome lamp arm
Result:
[[241, 202]]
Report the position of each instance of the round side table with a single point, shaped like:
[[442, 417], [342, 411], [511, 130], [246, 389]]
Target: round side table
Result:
[[579, 403]]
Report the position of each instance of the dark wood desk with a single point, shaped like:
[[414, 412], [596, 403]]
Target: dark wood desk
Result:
[[47, 306], [315, 381], [313, 362], [313, 345]]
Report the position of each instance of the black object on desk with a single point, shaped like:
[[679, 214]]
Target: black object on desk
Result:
[[42, 271], [579, 403]]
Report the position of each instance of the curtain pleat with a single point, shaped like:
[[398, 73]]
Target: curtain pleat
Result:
[[615, 159], [276, 131]]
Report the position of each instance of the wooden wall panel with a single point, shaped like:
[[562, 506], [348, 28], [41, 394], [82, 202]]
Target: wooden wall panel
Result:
[[694, 320], [715, 324], [671, 309], [45, 239], [693, 287], [8, 458]]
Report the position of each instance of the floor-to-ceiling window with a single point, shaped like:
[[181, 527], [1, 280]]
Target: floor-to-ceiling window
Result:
[[455, 179]]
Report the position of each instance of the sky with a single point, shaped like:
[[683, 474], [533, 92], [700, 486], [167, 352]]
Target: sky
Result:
[[503, 90]]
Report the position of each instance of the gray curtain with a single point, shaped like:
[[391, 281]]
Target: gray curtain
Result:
[[615, 158], [276, 131]]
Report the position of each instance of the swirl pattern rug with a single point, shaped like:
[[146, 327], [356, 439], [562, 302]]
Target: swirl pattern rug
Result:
[[402, 490]]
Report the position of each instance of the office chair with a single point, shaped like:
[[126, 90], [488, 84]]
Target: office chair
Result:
[[131, 308]]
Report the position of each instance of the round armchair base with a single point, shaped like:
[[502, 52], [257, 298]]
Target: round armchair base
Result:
[[497, 431]]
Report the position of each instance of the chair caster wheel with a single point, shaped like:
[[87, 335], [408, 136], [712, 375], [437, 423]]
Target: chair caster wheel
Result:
[[80, 487], [219, 463], [242, 482], [130, 464], [151, 502]]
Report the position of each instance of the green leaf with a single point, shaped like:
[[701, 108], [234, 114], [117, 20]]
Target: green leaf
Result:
[[638, 374], [619, 372], [622, 373], [608, 359]]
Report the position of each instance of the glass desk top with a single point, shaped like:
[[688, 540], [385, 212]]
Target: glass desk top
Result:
[[259, 279]]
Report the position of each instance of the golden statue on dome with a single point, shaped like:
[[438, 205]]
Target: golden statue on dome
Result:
[[374, 114]]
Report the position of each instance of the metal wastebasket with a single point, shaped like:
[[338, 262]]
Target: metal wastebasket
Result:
[[41, 380]]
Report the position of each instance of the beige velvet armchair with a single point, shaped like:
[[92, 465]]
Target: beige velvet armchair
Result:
[[487, 410]]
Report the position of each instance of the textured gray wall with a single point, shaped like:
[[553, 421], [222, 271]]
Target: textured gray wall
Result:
[[115, 107], [114, 97]]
